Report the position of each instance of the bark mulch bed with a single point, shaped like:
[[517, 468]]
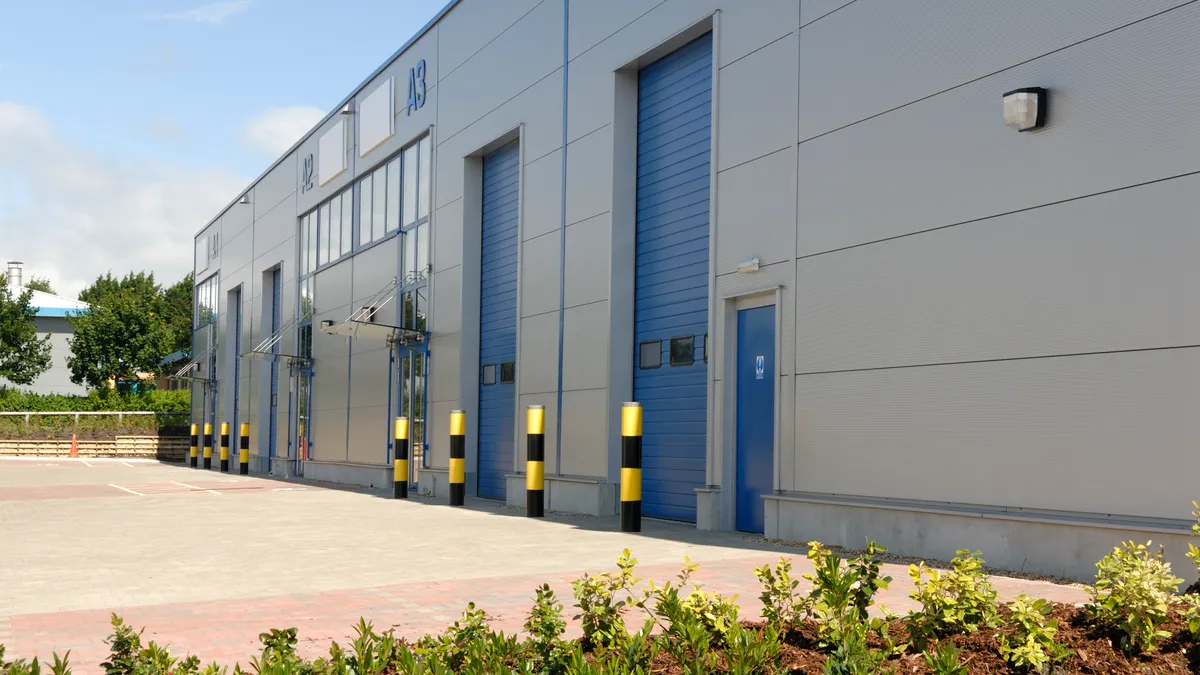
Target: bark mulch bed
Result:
[[1094, 650]]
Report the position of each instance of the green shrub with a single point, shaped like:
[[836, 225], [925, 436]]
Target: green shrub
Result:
[[691, 624], [960, 600], [945, 660], [753, 651], [782, 605], [1032, 646], [1191, 614], [545, 627], [601, 598], [1133, 593], [843, 593], [854, 657], [1193, 551]]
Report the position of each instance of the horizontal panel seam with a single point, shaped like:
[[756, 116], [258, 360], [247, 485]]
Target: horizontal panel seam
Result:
[[997, 72], [997, 360], [442, 78], [1004, 214]]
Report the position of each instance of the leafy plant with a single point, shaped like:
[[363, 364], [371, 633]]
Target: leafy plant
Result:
[[452, 645], [854, 657], [1032, 646], [1193, 552], [668, 604], [843, 592], [601, 599], [545, 626], [1191, 614], [1133, 593], [782, 605], [960, 600], [945, 660], [753, 651]]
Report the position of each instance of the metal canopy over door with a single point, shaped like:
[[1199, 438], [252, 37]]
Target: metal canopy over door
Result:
[[671, 292], [755, 414], [498, 319]]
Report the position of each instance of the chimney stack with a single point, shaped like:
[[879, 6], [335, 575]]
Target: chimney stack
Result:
[[14, 275]]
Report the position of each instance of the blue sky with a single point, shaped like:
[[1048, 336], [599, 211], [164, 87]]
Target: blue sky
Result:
[[172, 104]]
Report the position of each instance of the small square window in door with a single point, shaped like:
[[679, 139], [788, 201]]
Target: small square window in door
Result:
[[508, 372], [683, 350], [650, 355], [489, 375]]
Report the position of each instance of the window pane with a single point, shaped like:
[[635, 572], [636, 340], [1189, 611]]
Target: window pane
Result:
[[301, 234], [410, 301], [489, 375], [364, 211], [323, 236], [650, 354], [347, 220], [423, 250], [425, 178], [508, 372], [683, 351], [410, 185], [422, 308], [410, 254], [312, 242], [379, 210], [335, 228], [393, 194]]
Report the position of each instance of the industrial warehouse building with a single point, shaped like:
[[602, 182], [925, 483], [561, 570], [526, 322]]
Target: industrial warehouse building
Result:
[[810, 236]]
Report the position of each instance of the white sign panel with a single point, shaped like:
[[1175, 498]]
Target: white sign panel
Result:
[[376, 119], [331, 152]]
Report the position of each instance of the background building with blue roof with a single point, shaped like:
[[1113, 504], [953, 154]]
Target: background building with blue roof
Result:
[[52, 313]]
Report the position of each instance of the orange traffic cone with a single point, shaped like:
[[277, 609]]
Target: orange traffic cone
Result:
[[74, 446]]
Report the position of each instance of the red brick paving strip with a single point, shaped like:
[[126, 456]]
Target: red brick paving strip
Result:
[[227, 630]]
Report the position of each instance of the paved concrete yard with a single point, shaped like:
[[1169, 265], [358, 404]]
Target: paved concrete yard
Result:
[[206, 561]]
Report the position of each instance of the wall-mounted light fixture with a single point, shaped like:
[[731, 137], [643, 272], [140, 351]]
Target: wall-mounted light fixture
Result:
[[326, 324], [1025, 109], [748, 266], [347, 109], [245, 199]]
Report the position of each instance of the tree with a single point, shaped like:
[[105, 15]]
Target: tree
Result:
[[177, 312], [40, 284], [124, 331], [23, 357]]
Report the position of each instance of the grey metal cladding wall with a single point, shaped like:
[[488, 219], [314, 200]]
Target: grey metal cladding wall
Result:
[[1070, 433], [871, 55], [949, 158], [1105, 273]]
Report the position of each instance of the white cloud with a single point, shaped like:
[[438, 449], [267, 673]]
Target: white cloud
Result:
[[81, 214], [277, 129], [213, 13], [164, 128]]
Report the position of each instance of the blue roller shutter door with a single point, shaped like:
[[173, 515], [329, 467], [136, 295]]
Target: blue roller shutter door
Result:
[[671, 292], [498, 320]]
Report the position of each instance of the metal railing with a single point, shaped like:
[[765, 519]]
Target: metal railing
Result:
[[120, 414]]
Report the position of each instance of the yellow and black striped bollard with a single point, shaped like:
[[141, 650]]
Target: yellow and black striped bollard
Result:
[[400, 463], [195, 453], [224, 447], [535, 461], [207, 443], [458, 458], [244, 450], [631, 467]]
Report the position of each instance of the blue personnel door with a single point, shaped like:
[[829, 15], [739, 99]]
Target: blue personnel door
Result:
[[276, 303], [498, 319], [755, 414], [671, 287]]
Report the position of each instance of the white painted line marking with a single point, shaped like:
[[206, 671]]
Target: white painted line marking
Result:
[[86, 464], [126, 489], [127, 464], [193, 487]]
